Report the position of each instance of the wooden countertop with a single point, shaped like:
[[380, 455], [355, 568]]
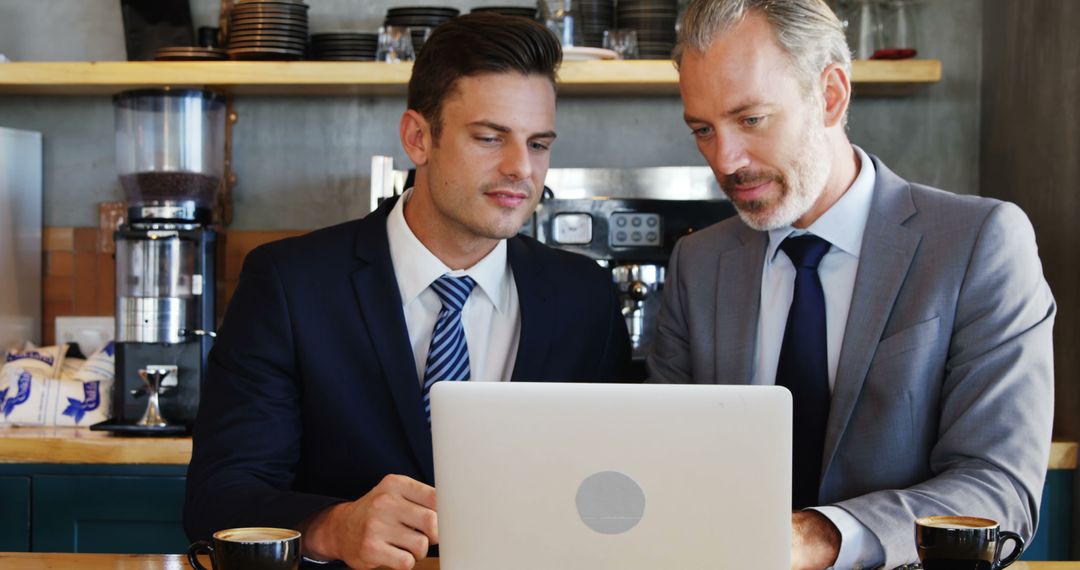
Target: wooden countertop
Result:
[[82, 446], [41, 561]]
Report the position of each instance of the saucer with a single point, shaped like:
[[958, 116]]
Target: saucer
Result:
[[579, 53]]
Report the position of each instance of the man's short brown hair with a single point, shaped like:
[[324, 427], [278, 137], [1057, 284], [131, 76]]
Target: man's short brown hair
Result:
[[475, 44]]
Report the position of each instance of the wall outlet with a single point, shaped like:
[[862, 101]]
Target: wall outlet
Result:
[[91, 333]]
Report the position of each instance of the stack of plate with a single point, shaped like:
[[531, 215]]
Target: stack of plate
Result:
[[595, 16], [183, 53], [418, 18], [268, 29], [654, 21], [344, 46], [523, 11]]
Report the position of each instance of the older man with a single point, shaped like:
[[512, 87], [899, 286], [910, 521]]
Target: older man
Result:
[[912, 326]]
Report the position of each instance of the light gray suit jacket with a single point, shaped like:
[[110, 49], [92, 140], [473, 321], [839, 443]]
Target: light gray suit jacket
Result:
[[943, 397]]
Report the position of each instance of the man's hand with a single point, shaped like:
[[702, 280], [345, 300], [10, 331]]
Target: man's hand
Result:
[[815, 541], [391, 526]]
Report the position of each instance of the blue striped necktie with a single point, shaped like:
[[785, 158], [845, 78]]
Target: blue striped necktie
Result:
[[804, 367], [448, 357]]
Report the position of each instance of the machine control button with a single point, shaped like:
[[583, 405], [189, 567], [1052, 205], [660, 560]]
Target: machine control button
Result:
[[651, 238], [572, 229]]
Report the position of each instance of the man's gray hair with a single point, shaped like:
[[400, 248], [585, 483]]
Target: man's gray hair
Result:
[[807, 30]]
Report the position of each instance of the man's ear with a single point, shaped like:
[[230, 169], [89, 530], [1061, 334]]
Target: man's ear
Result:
[[416, 137], [837, 89]]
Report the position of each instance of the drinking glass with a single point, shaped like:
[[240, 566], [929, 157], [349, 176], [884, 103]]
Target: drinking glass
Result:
[[395, 44], [622, 42], [561, 17], [864, 28], [899, 24]]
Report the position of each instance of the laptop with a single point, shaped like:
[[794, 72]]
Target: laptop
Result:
[[551, 476]]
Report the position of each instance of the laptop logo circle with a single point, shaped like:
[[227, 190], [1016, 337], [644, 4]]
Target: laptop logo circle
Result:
[[610, 502]]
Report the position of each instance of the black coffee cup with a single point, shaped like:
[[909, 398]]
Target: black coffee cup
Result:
[[964, 543], [255, 548]]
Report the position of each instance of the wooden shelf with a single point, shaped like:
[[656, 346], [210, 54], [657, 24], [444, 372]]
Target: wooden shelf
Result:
[[604, 78]]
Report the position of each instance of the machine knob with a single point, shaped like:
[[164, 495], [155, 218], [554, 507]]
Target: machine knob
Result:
[[638, 290]]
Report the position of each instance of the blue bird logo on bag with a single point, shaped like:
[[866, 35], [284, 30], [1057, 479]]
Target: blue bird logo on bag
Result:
[[21, 396], [90, 402]]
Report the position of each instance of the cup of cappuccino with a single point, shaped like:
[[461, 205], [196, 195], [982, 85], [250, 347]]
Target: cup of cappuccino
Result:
[[254, 548], [964, 543]]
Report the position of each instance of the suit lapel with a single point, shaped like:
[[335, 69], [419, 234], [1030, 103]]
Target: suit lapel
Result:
[[888, 249], [535, 299], [380, 306], [737, 306]]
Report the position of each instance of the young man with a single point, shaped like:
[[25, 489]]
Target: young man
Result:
[[912, 326], [315, 411]]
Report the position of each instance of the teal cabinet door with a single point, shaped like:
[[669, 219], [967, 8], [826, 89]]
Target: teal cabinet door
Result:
[[1052, 540], [14, 514], [108, 514]]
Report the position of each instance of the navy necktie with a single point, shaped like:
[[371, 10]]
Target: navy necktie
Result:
[[448, 357], [804, 367]]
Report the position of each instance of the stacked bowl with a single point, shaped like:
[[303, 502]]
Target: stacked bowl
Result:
[[654, 21], [523, 11], [185, 53], [595, 16], [344, 46], [420, 19], [268, 29]]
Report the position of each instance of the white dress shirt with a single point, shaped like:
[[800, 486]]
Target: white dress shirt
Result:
[[491, 316], [842, 226]]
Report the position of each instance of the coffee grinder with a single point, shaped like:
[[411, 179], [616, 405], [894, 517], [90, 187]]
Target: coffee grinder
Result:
[[170, 147]]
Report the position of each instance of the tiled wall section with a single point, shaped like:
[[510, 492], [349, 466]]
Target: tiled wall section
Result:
[[235, 246], [80, 271], [79, 279]]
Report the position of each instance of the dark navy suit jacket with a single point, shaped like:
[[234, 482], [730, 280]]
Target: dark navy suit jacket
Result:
[[312, 395]]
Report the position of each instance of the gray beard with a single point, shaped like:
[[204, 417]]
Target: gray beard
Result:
[[799, 191]]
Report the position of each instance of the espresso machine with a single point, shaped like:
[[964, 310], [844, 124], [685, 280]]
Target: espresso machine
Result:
[[628, 220], [170, 158]]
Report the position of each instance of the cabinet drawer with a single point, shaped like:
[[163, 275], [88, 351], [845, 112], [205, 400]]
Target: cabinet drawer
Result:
[[108, 514], [14, 514]]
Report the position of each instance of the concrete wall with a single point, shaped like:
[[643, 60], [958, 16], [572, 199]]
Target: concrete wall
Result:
[[304, 162]]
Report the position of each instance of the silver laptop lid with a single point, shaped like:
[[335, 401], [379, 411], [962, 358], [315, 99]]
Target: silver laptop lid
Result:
[[567, 476]]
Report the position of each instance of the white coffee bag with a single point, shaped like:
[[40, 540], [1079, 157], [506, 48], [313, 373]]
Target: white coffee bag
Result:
[[30, 397]]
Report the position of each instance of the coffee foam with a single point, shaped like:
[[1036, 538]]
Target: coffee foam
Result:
[[256, 534], [956, 522]]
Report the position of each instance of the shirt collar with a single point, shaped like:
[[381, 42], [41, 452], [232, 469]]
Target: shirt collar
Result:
[[844, 224], [416, 268]]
